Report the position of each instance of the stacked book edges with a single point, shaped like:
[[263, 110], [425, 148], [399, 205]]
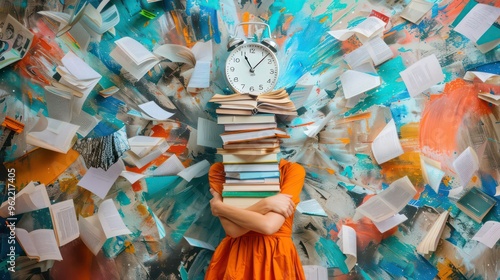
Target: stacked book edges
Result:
[[250, 158], [245, 104]]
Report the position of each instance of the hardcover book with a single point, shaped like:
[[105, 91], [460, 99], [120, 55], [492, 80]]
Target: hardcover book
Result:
[[476, 204]]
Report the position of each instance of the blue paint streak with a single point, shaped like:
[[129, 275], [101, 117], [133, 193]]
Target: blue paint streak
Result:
[[347, 172], [122, 198], [330, 250]]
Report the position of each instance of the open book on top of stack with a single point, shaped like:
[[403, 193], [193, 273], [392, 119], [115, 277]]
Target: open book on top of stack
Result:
[[251, 143], [275, 102]]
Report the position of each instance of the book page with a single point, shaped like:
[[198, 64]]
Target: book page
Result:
[[85, 121], [431, 239], [65, 223], [16, 43], [194, 171], [423, 74], [431, 171], [386, 145], [390, 222], [134, 50], [355, 82], [132, 177], [209, 133], [198, 243], [176, 53], [142, 145], [488, 234], [347, 243], [483, 76], [172, 166], [311, 207], [155, 111], [59, 103], [133, 159], [378, 50], [200, 78], [399, 193], [111, 221], [466, 164], [46, 244], [300, 94], [26, 242], [477, 21], [91, 233], [79, 68], [376, 209], [416, 10], [49, 138], [99, 181]]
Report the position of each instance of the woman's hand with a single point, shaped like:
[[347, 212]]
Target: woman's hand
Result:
[[281, 204], [215, 202]]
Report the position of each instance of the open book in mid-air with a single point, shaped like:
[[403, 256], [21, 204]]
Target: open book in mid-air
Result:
[[15, 42]]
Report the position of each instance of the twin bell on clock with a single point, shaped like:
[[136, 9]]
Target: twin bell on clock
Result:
[[252, 67]]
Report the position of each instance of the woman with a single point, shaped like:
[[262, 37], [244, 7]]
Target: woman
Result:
[[259, 242]]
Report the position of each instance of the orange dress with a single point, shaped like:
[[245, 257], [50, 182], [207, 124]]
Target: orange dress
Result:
[[255, 255]]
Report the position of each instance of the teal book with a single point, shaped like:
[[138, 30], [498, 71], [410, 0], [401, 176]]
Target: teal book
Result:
[[248, 193], [476, 204]]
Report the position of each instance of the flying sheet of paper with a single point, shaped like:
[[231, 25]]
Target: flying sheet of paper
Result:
[[416, 10], [198, 243], [313, 129], [465, 165], [391, 222], [347, 244], [132, 177], [300, 94], [455, 192], [172, 166], [311, 207], [375, 50], [155, 111], [367, 28], [423, 74], [477, 21], [161, 229], [99, 181], [488, 234], [386, 145], [355, 82], [209, 133], [194, 171], [85, 121]]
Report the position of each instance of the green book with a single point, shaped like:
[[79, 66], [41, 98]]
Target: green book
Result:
[[476, 204], [248, 193]]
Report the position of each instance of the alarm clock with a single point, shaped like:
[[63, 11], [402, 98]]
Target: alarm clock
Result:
[[252, 67]]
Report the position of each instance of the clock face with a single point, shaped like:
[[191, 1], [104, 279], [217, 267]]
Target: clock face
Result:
[[252, 68]]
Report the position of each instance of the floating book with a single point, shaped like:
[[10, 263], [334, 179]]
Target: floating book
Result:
[[133, 57], [39, 244], [14, 44], [431, 239], [476, 204], [52, 134]]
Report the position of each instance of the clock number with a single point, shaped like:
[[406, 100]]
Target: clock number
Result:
[[269, 81], [236, 59], [271, 71], [252, 50], [261, 87], [269, 61], [242, 86], [232, 69], [235, 79], [252, 89]]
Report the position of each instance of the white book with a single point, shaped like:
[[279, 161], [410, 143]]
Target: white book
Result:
[[386, 145], [355, 82], [52, 134], [107, 223], [375, 50], [64, 219], [32, 197], [85, 121], [431, 239], [488, 234], [423, 74], [388, 202], [416, 10], [466, 164], [371, 26], [485, 77], [347, 244], [39, 244], [141, 145], [131, 158], [209, 133], [133, 57], [100, 181], [477, 21]]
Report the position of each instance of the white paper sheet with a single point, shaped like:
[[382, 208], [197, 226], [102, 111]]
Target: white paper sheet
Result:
[[199, 169], [422, 75], [99, 181], [488, 234], [155, 111], [386, 145], [477, 21]]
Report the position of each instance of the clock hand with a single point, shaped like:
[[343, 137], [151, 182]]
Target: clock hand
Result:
[[251, 68], [260, 62]]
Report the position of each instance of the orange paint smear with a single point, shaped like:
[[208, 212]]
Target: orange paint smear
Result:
[[129, 247], [245, 18], [137, 186], [444, 114], [407, 164]]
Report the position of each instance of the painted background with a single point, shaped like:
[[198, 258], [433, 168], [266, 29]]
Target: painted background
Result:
[[341, 171]]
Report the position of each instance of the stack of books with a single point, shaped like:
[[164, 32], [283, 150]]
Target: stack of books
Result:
[[251, 144]]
